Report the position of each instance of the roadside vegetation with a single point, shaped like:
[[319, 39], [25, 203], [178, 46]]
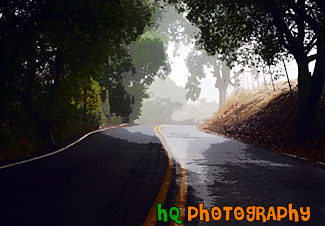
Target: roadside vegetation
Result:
[[263, 33], [69, 67], [266, 118]]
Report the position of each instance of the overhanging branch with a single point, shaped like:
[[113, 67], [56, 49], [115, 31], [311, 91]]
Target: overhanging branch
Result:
[[307, 18], [285, 34], [311, 58], [311, 45]]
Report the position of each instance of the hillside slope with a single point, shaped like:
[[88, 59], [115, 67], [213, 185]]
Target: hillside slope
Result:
[[266, 119]]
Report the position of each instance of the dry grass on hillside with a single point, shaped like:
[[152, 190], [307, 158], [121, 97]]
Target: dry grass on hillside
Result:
[[244, 104], [266, 118]]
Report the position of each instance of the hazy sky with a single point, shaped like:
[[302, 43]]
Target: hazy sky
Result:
[[180, 73]]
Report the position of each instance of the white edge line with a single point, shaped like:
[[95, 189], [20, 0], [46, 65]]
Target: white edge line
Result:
[[290, 155], [321, 163], [61, 149]]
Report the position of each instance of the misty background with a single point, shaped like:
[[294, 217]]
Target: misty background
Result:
[[175, 98]]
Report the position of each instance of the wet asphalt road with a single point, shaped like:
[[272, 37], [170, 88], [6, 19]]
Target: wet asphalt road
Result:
[[100, 181], [113, 178], [222, 172]]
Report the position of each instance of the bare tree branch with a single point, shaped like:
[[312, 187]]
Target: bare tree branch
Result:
[[311, 45], [311, 58], [285, 34]]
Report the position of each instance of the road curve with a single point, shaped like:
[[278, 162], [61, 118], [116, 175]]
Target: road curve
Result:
[[223, 172], [114, 178], [101, 180]]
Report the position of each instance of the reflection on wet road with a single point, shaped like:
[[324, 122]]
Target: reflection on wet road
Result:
[[223, 172]]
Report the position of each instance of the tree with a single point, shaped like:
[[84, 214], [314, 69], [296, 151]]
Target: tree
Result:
[[148, 57], [159, 110], [167, 89], [111, 75], [46, 44], [150, 61], [196, 63], [127, 74], [176, 27], [273, 28]]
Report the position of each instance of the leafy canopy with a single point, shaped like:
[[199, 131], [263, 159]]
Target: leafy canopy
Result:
[[269, 27]]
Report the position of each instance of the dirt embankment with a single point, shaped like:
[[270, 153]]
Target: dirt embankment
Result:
[[266, 119]]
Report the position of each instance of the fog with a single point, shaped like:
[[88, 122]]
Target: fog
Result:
[[190, 94], [168, 104]]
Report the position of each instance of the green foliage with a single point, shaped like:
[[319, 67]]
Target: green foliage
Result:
[[155, 34], [128, 77], [138, 92], [148, 56], [115, 120], [226, 26], [272, 29], [268, 27], [88, 94], [50, 53]]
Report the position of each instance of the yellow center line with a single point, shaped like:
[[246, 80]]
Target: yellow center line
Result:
[[182, 190], [152, 216]]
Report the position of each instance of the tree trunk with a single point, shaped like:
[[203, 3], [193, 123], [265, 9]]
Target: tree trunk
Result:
[[42, 125], [309, 91], [106, 104], [257, 78], [48, 106], [222, 95], [285, 68], [271, 78], [57, 75], [264, 78], [85, 103]]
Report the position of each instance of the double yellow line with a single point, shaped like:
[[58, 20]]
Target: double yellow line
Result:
[[182, 187]]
